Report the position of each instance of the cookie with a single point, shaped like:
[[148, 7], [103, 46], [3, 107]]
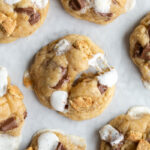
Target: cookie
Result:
[[140, 49], [20, 18], [130, 131], [97, 11], [72, 76], [12, 112], [56, 140]]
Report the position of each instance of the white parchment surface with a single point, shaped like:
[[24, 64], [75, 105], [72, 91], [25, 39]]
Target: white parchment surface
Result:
[[113, 39]]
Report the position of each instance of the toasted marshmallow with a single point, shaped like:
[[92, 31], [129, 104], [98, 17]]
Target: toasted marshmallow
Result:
[[111, 135], [62, 46], [48, 141], [3, 81], [58, 100], [138, 111]]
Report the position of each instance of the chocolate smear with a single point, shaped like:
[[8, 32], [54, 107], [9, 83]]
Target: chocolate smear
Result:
[[63, 79], [102, 88], [60, 147], [138, 49], [146, 53], [77, 4], [106, 14], [8, 124], [34, 16]]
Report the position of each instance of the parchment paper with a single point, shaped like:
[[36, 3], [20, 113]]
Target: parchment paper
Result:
[[113, 39]]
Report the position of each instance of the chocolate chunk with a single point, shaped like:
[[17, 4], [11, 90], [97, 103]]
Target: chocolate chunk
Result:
[[138, 49], [106, 14], [8, 124], [29, 11], [60, 147], [25, 115], [146, 53], [102, 88], [77, 4], [63, 79], [34, 16]]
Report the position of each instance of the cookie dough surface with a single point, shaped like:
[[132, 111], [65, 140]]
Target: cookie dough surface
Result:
[[127, 132], [65, 77], [97, 11], [20, 18], [56, 140], [140, 48]]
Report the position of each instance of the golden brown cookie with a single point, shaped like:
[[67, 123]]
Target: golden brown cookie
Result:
[[20, 18], [71, 76], [56, 140], [127, 132], [12, 113], [97, 11], [140, 49]]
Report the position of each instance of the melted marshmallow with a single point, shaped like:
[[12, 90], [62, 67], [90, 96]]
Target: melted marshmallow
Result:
[[47, 141], [108, 78], [58, 100], [111, 135], [102, 6], [8, 142], [137, 111], [3, 81], [40, 3], [130, 5], [11, 2], [62, 46]]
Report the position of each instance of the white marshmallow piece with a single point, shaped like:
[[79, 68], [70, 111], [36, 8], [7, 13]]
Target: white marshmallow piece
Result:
[[48, 141], [40, 3], [111, 135], [3, 81], [11, 2], [102, 6], [8, 142], [99, 62], [138, 111], [108, 78], [130, 5], [58, 100], [62, 46]]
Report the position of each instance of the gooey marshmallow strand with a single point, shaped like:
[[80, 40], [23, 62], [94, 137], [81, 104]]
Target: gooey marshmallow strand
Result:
[[3, 81], [38, 3]]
